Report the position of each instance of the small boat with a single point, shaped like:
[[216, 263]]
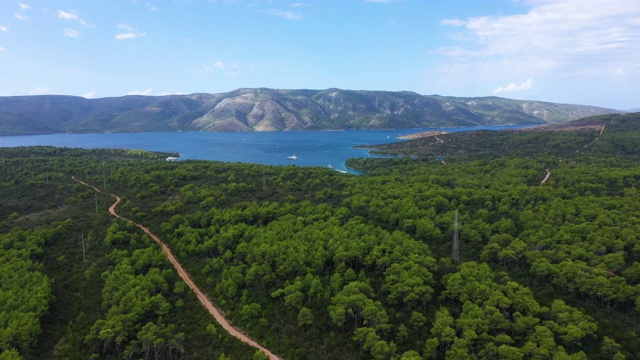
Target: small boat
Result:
[[292, 157]]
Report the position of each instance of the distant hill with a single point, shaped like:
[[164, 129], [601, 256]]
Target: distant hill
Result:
[[271, 110]]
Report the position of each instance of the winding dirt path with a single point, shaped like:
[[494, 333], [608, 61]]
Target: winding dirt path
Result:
[[187, 279], [597, 137], [546, 177], [593, 141]]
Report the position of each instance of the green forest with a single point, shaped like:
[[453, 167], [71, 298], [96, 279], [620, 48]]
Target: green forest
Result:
[[317, 264]]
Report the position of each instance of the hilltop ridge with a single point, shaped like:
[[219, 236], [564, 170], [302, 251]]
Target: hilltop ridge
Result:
[[262, 109]]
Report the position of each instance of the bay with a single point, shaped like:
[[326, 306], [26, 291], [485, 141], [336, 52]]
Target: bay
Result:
[[312, 148]]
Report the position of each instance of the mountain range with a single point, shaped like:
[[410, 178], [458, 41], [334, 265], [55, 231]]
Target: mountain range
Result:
[[261, 109]]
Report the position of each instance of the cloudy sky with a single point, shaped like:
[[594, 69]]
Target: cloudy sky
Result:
[[569, 51]]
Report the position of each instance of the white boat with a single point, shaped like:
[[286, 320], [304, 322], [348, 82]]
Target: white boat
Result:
[[292, 157]]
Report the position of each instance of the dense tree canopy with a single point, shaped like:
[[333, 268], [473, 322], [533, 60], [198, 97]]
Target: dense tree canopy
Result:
[[315, 264]]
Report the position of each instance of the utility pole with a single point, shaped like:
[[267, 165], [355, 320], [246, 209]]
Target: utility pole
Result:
[[455, 251], [104, 177], [84, 258], [264, 180]]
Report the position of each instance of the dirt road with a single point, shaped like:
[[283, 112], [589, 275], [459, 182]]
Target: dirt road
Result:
[[187, 279], [593, 141], [546, 177]]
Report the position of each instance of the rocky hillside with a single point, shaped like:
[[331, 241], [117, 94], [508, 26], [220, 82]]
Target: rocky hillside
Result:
[[271, 110]]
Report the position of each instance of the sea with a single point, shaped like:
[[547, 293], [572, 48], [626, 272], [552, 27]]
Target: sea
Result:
[[311, 148]]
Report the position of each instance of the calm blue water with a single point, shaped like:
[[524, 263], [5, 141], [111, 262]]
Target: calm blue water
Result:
[[313, 148]]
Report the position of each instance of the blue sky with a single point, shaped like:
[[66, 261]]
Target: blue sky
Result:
[[568, 51]]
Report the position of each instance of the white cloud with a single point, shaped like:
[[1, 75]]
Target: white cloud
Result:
[[453, 22], [512, 87], [71, 33], [148, 91], [289, 15], [40, 91], [20, 14], [219, 65], [70, 16], [579, 39], [89, 95], [229, 68], [1, 49], [130, 34], [4, 28], [126, 36]]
